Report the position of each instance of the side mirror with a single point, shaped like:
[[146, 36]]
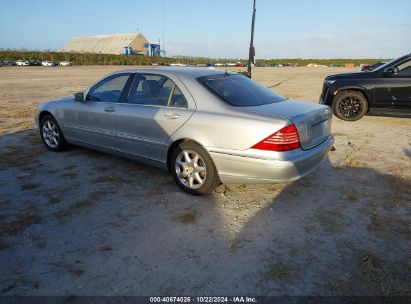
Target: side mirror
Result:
[[79, 97], [388, 72]]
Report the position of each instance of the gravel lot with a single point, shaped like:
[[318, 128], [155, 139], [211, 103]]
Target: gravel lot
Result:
[[85, 223]]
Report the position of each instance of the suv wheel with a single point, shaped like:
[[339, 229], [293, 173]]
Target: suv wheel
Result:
[[350, 105], [193, 170]]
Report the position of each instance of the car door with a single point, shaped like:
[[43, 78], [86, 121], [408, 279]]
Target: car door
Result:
[[393, 89], [401, 90], [94, 120], [156, 107]]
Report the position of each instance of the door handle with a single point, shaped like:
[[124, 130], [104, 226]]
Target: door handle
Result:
[[172, 115], [110, 109]]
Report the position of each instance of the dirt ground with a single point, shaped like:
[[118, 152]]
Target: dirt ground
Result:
[[86, 223]]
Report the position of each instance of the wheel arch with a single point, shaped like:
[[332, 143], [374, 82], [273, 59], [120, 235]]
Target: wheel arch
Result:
[[44, 113], [176, 143], [362, 90]]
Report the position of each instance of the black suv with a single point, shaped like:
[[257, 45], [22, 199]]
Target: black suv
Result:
[[384, 90]]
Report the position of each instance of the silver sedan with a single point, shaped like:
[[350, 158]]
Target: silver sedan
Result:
[[204, 126]]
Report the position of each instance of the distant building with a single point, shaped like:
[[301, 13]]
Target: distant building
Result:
[[107, 44]]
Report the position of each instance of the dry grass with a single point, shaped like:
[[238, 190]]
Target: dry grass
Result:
[[292, 191], [54, 199], [351, 196], [18, 156], [101, 168], [39, 241], [237, 244], [371, 271], [350, 157], [399, 190], [108, 179], [33, 138], [20, 222], [4, 245], [387, 224], [408, 265], [335, 288], [76, 208], [29, 186], [73, 269], [70, 175], [82, 205], [188, 217], [99, 194], [281, 272], [70, 167], [331, 220], [78, 272], [105, 248]]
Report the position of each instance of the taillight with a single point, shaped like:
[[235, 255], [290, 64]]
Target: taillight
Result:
[[285, 139]]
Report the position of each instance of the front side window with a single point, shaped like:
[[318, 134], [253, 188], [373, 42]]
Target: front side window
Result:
[[109, 89], [404, 69], [157, 90], [239, 91]]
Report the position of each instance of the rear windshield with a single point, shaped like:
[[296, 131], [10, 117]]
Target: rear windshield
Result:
[[239, 90]]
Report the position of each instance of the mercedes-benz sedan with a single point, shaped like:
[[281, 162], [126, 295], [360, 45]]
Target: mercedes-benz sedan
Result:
[[204, 126]]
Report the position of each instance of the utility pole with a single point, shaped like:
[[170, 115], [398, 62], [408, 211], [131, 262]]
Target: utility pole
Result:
[[251, 55], [164, 41]]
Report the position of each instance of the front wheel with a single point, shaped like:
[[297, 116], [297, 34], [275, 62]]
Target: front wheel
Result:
[[350, 105], [193, 170], [51, 134]]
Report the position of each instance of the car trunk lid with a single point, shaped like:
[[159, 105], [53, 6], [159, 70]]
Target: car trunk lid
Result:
[[313, 121]]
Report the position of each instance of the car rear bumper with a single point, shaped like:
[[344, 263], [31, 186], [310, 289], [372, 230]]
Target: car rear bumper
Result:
[[235, 169]]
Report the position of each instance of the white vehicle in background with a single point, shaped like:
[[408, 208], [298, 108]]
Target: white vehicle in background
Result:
[[48, 63], [66, 63], [22, 62]]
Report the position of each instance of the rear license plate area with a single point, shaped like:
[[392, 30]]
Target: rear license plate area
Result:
[[319, 130]]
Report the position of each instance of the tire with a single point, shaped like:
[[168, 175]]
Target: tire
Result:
[[51, 134], [350, 105], [193, 170]]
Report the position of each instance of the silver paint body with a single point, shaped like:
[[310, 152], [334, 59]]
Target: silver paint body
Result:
[[227, 133]]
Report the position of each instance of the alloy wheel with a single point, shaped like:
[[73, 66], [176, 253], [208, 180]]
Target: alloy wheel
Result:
[[51, 133], [350, 107], [190, 169]]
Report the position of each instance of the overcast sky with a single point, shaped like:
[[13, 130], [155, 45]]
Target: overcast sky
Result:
[[219, 28]]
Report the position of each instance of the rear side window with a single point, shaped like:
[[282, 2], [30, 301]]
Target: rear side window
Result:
[[239, 91], [156, 90]]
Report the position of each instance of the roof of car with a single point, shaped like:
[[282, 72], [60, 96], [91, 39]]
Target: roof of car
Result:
[[179, 71]]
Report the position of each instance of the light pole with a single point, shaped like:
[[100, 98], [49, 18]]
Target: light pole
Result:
[[251, 54]]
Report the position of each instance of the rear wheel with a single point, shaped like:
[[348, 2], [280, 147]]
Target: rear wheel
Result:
[[193, 170], [51, 134], [350, 105]]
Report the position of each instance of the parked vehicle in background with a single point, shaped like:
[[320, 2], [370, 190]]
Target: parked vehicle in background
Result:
[[22, 63], [35, 62], [9, 63], [384, 90], [66, 63], [48, 63], [202, 125], [368, 67]]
